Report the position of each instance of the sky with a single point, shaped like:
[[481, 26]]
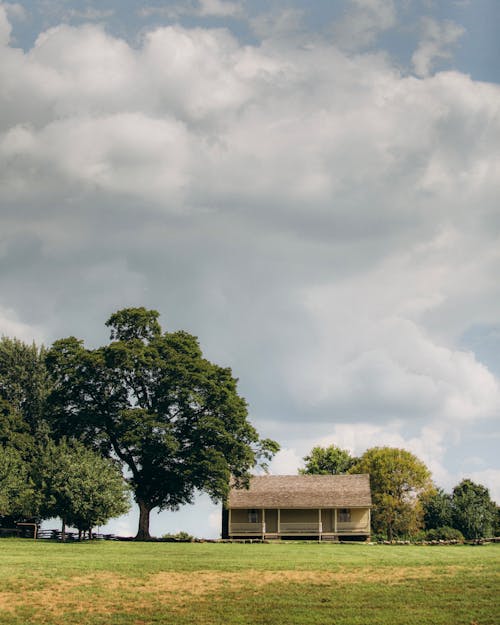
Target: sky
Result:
[[311, 188]]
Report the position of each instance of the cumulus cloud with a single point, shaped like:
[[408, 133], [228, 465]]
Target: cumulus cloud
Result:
[[326, 225], [437, 42]]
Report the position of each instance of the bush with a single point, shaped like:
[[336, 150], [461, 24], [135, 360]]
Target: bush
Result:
[[180, 537], [444, 533]]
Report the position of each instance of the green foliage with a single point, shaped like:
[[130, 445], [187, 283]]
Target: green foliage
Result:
[[79, 486], [180, 537], [437, 508], [444, 533], [174, 419], [24, 381], [473, 510], [16, 488], [397, 480], [331, 460]]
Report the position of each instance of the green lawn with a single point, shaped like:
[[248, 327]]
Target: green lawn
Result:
[[290, 583]]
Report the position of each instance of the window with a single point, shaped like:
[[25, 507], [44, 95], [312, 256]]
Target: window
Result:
[[344, 515], [253, 516]]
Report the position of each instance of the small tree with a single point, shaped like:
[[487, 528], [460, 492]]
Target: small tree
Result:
[[79, 486], [331, 460], [397, 480], [473, 510]]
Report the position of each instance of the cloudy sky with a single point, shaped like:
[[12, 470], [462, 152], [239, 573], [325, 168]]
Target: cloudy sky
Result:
[[312, 188]]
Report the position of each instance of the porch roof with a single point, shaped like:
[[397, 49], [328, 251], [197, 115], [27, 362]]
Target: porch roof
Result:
[[303, 491]]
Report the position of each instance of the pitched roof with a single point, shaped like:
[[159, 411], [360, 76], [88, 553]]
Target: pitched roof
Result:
[[303, 491]]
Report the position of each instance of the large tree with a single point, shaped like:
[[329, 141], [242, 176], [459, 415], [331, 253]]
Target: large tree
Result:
[[397, 480], [473, 511], [330, 460], [150, 399]]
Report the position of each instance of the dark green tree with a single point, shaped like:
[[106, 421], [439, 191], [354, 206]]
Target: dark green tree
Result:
[[17, 449], [150, 399], [331, 460], [473, 511], [397, 479], [79, 486], [437, 509], [24, 381], [17, 495]]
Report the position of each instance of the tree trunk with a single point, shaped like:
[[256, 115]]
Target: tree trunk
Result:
[[143, 530], [63, 530]]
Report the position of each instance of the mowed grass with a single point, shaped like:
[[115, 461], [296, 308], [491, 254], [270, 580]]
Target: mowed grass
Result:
[[204, 583]]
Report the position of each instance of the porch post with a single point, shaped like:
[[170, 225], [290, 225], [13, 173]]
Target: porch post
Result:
[[320, 524], [279, 522], [263, 523], [229, 532], [335, 521]]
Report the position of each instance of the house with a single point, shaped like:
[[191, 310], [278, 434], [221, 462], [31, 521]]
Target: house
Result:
[[306, 506]]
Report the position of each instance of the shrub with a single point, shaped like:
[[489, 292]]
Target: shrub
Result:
[[180, 537], [444, 533]]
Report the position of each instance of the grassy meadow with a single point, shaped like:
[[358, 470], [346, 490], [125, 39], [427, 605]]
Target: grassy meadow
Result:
[[205, 583]]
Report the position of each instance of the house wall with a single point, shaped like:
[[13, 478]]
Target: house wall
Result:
[[359, 520], [241, 516], [299, 516]]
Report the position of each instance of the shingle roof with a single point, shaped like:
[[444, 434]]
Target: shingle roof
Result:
[[303, 491]]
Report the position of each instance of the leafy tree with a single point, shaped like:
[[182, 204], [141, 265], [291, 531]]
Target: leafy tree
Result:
[[24, 382], [473, 511], [14, 431], [437, 509], [330, 460], [16, 487], [79, 486], [397, 480], [174, 419]]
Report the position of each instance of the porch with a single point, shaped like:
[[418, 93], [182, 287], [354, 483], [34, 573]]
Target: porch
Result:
[[286, 523]]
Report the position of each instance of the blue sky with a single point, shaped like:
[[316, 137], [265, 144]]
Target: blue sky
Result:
[[310, 188]]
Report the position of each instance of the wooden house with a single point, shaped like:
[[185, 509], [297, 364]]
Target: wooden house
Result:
[[306, 506]]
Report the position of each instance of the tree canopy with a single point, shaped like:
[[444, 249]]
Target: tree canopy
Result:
[[329, 460], [149, 398], [79, 486], [397, 479], [473, 511]]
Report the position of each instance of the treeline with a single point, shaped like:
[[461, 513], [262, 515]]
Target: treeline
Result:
[[406, 503], [147, 406]]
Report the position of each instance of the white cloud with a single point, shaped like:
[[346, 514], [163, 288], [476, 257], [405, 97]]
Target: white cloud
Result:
[[199, 8], [489, 478], [438, 39], [15, 11], [364, 22], [285, 462], [12, 326], [88, 14]]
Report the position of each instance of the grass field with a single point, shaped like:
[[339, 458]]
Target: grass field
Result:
[[302, 584]]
